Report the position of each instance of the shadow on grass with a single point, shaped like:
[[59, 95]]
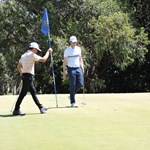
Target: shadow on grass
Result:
[[62, 107], [10, 115], [28, 114]]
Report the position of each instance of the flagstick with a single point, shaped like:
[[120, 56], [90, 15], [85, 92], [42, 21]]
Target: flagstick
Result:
[[45, 28], [49, 41]]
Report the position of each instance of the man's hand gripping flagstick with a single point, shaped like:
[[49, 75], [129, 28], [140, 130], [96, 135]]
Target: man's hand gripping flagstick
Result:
[[45, 29]]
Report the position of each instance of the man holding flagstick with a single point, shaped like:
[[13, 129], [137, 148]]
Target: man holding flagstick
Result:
[[45, 29], [26, 69]]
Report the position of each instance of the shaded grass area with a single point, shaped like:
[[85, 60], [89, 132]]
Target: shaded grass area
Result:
[[107, 122]]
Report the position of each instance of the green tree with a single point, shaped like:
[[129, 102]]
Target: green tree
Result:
[[107, 35], [115, 42]]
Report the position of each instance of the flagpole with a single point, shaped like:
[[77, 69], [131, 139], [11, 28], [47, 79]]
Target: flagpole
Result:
[[45, 29], [52, 62]]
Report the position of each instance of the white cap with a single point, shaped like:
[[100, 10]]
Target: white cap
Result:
[[34, 45], [73, 39]]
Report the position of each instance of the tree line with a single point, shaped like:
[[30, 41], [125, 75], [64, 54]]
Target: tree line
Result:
[[113, 35]]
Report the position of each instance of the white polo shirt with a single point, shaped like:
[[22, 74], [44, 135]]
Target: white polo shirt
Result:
[[28, 60], [73, 56]]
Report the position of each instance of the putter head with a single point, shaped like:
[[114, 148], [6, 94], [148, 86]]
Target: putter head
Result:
[[83, 103]]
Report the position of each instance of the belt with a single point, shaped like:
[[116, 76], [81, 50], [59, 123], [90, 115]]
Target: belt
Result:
[[73, 67], [27, 74]]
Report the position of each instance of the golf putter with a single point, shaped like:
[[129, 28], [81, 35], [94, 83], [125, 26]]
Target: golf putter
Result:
[[83, 103]]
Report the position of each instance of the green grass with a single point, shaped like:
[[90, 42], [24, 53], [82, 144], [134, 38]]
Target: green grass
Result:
[[107, 122]]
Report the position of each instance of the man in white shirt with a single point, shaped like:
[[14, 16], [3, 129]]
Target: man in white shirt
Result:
[[74, 63], [26, 69]]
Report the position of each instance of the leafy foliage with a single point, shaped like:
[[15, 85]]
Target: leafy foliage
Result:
[[111, 39]]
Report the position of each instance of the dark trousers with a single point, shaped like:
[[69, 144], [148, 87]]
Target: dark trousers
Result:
[[75, 80], [28, 85]]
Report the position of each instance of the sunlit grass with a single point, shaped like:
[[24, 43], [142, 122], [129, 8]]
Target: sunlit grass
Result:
[[107, 122]]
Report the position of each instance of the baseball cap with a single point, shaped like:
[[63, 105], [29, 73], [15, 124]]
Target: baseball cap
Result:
[[34, 45], [73, 39]]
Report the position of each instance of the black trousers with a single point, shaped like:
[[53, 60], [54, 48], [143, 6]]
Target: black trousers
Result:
[[28, 85]]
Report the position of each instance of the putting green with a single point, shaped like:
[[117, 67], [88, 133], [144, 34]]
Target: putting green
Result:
[[106, 122]]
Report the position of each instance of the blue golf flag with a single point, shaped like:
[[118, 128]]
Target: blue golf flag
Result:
[[45, 29]]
